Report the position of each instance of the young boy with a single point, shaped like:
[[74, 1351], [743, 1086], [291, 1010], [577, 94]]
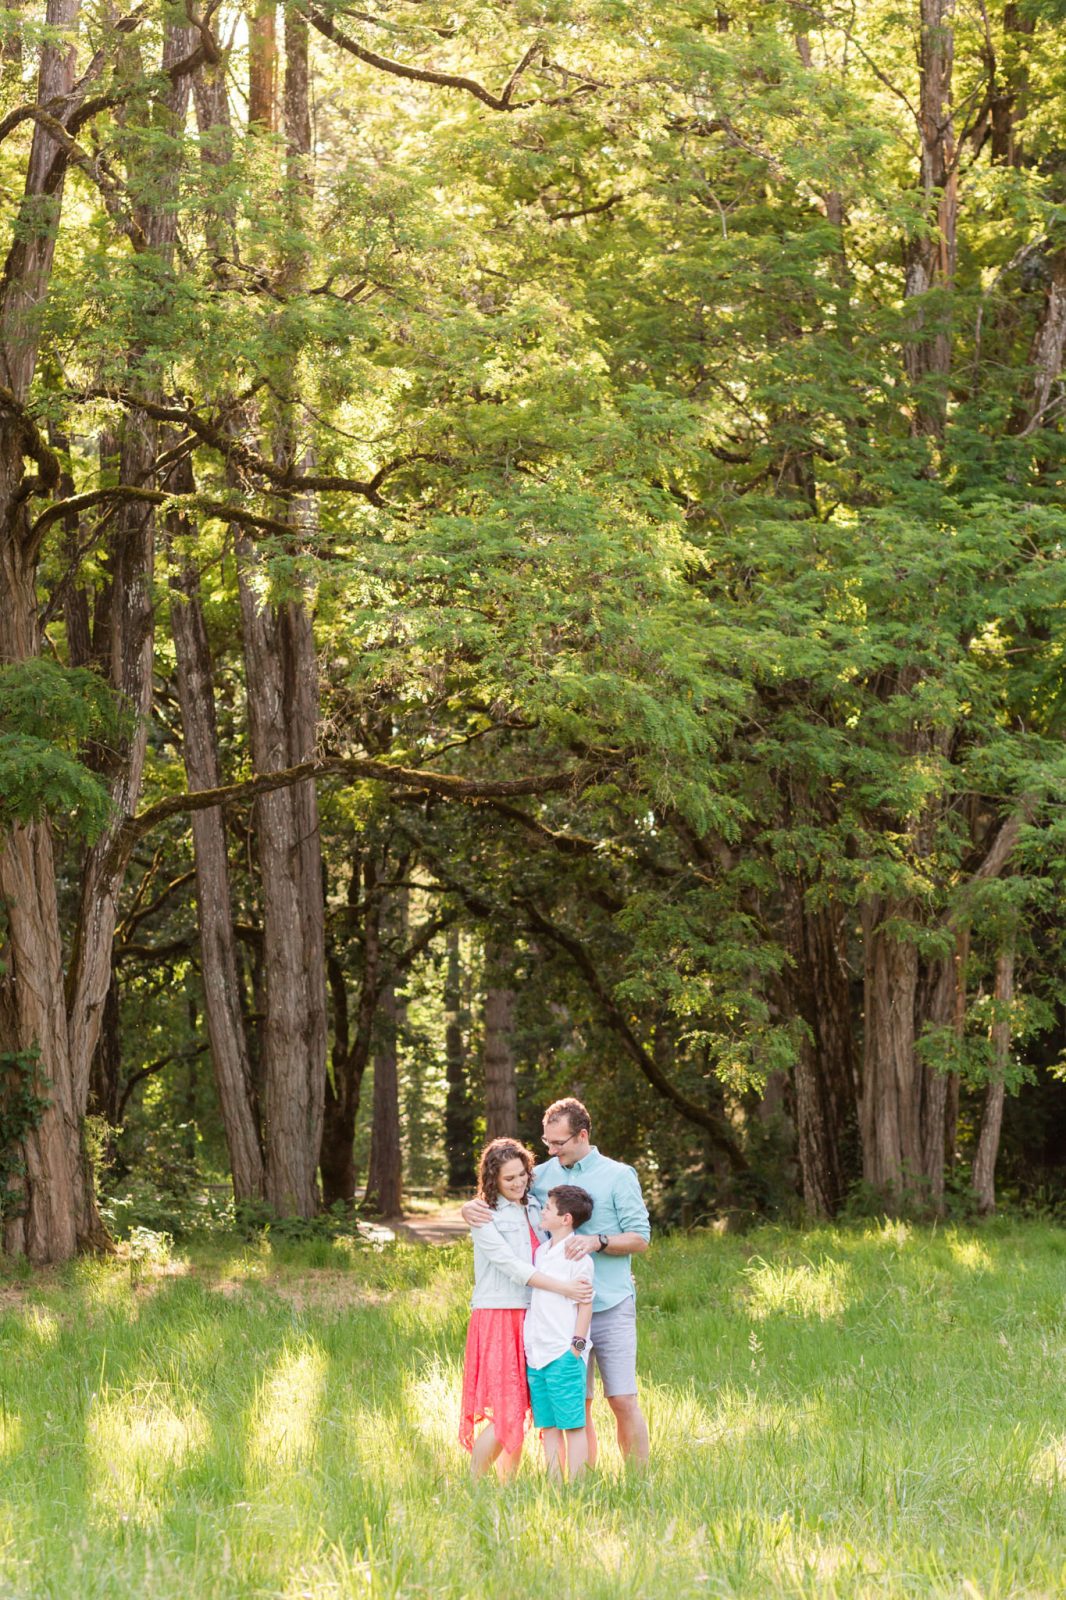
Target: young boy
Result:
[[557, 1337]]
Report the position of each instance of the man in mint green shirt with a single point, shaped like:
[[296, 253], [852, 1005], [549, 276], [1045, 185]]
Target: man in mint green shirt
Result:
[[617, 1229]]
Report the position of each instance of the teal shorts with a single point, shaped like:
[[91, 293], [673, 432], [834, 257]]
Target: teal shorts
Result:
[[558, 1392]]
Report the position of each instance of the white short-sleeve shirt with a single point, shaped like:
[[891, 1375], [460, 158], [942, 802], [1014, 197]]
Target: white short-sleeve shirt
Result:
[[551, 1318]]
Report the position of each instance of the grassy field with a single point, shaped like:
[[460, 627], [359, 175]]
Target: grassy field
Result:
[[843, 1412]]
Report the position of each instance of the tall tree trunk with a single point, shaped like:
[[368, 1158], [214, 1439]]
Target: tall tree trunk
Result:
[[350, 1055], [1047, 350], [282, 706], [984, 1164], [826, 1109], [889, 1115], [501, 1091], [33, 1014], [234, 1080], [384, 1184], [131, 637], [282, 688], [32, 1011], [131, 631], [262, 64], [941, 1004], [930, 254], [105, 1078], [459, 1104], [1008, 92]]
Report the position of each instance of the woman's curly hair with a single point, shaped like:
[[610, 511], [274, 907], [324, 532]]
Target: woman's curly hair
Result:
[[494, 1156]]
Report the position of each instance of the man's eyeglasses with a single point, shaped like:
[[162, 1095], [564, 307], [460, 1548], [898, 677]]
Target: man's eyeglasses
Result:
[[558, 1144]]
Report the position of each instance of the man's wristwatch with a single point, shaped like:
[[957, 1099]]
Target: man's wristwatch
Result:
[[578, 1343], [604, 1241]]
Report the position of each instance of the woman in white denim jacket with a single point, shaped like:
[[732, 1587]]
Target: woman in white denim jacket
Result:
[[495, 1390]]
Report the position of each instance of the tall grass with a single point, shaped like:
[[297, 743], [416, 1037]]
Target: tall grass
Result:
[[875, 1411]]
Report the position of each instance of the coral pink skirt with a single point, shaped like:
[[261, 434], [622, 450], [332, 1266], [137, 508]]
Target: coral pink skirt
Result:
[[494, 1378]]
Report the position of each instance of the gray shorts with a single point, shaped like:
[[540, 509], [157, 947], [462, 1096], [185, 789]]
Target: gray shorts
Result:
[[614, 1348]]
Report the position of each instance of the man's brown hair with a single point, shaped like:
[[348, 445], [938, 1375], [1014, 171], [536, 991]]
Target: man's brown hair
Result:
[[577, 1117]]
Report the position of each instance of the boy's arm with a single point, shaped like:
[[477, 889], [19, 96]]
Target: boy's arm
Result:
[[586, 1272]]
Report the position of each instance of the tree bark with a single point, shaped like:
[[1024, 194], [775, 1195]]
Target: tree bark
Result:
[[350, 1055], [826, 1108], [930, 254], [891, 1087], [282, 689], [262, 64], [105, 1078], [34, 1017], [1008, 88], [131, 637], [131, 631], [384, 1185], [940, 1004], [459, 1104], [238, 1101], [984, 1164], [282, 714], [32, 1003], [1047, 350], [501, 1090]]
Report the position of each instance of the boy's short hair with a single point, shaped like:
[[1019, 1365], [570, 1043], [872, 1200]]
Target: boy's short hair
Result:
[[572, 1201], [577, 1117]]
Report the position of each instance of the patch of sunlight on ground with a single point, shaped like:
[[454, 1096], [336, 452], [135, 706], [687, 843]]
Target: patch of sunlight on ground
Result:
[[1049, 1465], [805, 1290], [613, 1551], [808, 1557], [677, 1416], [135, 1442], [431, 1400], [889, 1232], [236, 1271], [366, 1438], [740, 1414], [337, 1575], [969, 1253], [286, 1410], [41, 1325], [10, 1434], [102, 1283]]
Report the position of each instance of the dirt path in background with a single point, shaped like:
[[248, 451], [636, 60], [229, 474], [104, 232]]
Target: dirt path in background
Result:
[[444, 1227]]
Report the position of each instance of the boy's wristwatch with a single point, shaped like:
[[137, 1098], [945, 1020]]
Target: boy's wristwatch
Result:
[[578, 1343]]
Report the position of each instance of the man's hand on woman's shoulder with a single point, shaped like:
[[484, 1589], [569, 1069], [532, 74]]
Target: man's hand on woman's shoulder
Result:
[[475, 1213]]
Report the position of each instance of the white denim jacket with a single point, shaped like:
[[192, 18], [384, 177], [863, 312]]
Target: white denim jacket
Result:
[[503, 1258]]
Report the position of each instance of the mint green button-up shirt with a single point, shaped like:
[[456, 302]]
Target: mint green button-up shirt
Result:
[[618, 1207]]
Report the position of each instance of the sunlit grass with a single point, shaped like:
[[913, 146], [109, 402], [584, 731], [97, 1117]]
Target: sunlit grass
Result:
[[136, 1442], [869, 1411]]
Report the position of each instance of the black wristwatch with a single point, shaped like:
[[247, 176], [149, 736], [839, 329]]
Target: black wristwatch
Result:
[[604, 1241]]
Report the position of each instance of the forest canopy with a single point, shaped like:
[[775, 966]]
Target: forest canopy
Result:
[[533, 562]]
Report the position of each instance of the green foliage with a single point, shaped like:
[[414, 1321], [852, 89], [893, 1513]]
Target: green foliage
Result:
[[139, 1203], [625, 366], [48, 713]]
